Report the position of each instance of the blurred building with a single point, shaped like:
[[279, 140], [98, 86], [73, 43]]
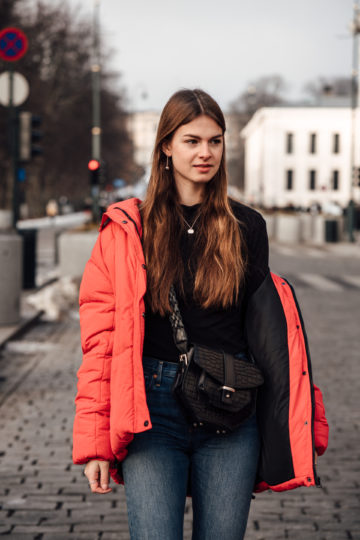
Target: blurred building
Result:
[[300, 155], [142, 128]]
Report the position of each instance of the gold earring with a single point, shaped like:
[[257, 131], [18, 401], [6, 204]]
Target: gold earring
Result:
[[167, 163]]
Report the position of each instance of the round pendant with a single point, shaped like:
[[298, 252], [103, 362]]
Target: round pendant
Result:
[[190, 231]]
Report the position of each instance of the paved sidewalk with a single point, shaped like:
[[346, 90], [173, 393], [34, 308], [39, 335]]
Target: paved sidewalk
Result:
[[43, 496]]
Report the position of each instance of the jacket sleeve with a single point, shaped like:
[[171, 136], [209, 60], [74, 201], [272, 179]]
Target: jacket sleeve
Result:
[[321, 427], [91, 434]]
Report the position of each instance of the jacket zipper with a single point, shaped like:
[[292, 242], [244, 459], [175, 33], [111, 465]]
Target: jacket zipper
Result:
[[142, 322]]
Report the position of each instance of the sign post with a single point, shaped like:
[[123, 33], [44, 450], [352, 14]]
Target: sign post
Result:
[[96, 111], [13, 146], [13, 46]]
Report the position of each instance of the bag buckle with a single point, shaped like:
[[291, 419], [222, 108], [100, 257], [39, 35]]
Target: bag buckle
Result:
[[184, 359], [226, 392], [227, 388]]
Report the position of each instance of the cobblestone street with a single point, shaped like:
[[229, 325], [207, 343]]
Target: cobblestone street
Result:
[[43, 496]]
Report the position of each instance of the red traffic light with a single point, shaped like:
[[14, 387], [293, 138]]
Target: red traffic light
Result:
[[93, 165]]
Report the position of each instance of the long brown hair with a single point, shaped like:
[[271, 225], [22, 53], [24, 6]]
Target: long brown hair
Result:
[[219, 248]]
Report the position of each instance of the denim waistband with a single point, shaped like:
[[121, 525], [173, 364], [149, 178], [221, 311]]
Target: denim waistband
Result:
[[152, 362]]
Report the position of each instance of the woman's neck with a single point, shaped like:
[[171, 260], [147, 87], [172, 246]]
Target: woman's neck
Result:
[[190, 194]]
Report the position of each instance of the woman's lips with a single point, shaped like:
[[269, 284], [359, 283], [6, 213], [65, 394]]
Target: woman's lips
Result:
[[203, 168]]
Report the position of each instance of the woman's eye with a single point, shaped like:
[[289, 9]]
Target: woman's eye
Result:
[[216, 141], [191, 141]]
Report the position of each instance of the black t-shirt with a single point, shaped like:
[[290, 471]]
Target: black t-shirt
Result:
[[216, 328]]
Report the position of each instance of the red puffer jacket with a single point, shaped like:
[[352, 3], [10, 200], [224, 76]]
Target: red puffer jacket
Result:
[[111, 402]]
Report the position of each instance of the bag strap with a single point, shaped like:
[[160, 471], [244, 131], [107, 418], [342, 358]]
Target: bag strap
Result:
[[179, 333]]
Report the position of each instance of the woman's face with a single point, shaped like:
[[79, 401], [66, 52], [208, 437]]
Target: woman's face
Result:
[[196, 150]]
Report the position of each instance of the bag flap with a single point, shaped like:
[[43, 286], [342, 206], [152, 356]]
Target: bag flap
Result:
[[246, 375]]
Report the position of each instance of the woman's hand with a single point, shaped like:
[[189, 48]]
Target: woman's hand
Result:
[[97, 473]]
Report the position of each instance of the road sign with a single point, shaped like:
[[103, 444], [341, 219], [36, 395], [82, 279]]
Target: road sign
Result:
[[13, 44], [119, 183], [21, 174], [20, 89]]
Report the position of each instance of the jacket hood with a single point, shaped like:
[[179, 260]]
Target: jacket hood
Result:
[[117, 211]]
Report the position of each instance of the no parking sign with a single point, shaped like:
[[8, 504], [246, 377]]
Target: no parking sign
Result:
[[13, 44]]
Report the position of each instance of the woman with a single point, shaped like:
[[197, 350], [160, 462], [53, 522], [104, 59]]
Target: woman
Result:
[[215, 252]]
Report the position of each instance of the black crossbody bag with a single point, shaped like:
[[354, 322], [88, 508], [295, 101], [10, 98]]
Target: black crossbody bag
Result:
[[216, 390]]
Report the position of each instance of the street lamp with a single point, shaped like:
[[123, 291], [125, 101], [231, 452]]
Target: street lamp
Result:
[[96, 116], [355, 101]]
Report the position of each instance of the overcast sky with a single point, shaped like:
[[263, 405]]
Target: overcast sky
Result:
[[222, 45]]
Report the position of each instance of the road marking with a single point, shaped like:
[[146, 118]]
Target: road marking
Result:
[[314, 252], [284, 250], [295, 280], [299, 251], [353, 280], [31, 347], [320, 282]]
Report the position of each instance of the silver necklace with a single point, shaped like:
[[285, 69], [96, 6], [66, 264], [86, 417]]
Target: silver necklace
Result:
[[191, 227]]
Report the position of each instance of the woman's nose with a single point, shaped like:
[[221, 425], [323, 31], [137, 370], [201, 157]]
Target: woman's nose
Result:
[[205, 150]]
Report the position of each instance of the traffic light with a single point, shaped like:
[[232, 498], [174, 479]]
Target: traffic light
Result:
[[94, 168], [29, 136], [103, 173]]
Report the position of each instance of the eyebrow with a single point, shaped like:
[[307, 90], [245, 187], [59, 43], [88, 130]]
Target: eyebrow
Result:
[[197, 137]]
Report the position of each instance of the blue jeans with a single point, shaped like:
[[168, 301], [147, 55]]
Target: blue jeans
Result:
[[161, 461]]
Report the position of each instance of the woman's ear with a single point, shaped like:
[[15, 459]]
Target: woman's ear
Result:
[[166, 148]]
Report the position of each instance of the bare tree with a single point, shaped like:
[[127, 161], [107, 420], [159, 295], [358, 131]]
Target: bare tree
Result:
[[235, 152], [334, 86], [57, 66], [266, 91]]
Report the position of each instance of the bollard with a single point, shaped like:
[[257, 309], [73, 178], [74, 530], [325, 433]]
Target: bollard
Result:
[[331, 230], [29, 257], [10, 278], [287, 228], [6, 220]]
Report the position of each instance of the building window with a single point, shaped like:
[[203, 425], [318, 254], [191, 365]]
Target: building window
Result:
[[335, 180], [312, 143], [289, 179], [336, 143], [289, 143], [312, 178]]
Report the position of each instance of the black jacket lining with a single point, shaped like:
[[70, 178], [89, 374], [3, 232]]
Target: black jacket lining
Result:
[[266, 330]]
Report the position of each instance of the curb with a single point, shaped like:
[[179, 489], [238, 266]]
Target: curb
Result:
[[21, 328], [25, 324]]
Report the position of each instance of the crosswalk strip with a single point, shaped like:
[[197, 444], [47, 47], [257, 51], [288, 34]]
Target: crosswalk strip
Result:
[[320, 282]]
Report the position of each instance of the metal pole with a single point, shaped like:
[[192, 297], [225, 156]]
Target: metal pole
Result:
[[96, 86], [355, 89], [13, 130], [96, 106]]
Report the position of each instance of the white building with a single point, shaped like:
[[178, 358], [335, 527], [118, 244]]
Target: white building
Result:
[[300, 156], [142, 127]]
